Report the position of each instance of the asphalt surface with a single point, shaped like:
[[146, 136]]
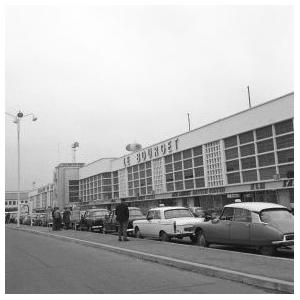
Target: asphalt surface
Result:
[[41, 264]]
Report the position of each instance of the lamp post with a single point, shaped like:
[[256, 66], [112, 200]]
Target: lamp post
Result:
[[17, 120]]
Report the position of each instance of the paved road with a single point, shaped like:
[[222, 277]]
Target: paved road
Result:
[[40, 264]]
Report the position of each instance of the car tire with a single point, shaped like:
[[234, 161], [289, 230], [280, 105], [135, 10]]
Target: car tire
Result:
[[164, 237], [193, 239], [137, 233], [201, 239], [267, 250]]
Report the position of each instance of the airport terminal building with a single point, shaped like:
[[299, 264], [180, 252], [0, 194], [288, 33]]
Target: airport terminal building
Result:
[[247, 156]]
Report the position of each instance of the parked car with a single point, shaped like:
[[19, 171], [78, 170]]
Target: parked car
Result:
[[167, 222], [26, 220], [93, 219], [75, 218], [197, 211], [111, 224], [265, 226]]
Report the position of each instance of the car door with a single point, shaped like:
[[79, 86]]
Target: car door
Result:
[[146, 227], [240, 227], [219, 231], [156, 224]]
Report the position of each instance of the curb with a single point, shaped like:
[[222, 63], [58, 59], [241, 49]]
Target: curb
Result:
[[250, 279]]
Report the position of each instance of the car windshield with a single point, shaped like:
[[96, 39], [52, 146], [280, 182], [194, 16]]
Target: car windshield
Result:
[[99, 213], [135, 212], [274, 215], [177, 213]]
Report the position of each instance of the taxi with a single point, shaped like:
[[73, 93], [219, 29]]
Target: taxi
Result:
[[166, 222]]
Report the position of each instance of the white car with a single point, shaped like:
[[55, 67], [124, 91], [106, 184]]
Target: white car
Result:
[[167, 222]]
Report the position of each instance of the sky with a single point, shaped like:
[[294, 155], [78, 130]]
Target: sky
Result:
[[107, 76]]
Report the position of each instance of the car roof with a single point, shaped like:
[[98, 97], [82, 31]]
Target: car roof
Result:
[[163, 208], [133, 207], [255, 206]]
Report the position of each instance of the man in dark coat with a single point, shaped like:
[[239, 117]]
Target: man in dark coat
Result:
[[56, 219], [66, 218], [122, 216]]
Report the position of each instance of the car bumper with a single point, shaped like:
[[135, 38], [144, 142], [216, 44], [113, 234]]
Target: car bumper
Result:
[[97, 227], [283, 243]]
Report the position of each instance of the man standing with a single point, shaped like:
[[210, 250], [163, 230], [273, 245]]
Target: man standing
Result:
[[122, 214]]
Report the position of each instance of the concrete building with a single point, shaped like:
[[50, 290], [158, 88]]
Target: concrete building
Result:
[[41, 198], [11, 200], [249, 155]]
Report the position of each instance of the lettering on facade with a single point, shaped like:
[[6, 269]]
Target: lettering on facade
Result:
[[153, 152]]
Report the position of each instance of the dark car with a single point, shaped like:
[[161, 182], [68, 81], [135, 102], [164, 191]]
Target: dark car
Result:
[[265, 226], [93, 219], [111, 224]]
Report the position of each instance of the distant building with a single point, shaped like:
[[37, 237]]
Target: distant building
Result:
[[41, 198], [11, 200]]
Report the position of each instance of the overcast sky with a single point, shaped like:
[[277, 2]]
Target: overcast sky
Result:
[[109, 76]]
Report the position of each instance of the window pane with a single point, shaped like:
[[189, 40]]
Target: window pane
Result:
[[265, 146], [266, 159], [285, 156], [187, 164], [233, 178], [135, 175], [178, 175], [142, 174], [148, 172], [263, 132], [286, 171], [247, 150], [168, 159], [249, 175], [177, 156], [135, 168], [148, 165], [143, 182], [188, 174], [178, 166], [283, 127], [169, 168], [199, 172], [246, 137], [149, 181], [198, 161], [170, 187], [142, 166], [169, 177], [197, 151], [179, 185], [231, 153], [285, 141], [187, 153], [248, 163], [242, 215], [267, 173], [200, 182], [231, 141], [189, 184], [232, 165]]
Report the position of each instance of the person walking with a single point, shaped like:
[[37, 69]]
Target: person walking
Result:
[[66, 218], [122, 216], [56, 219]]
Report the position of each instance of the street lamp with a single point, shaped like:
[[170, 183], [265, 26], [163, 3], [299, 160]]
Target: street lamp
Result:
[[17, 120]]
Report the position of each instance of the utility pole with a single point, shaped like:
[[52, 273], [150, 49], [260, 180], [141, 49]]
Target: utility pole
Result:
[[249, 96], [188, 114]]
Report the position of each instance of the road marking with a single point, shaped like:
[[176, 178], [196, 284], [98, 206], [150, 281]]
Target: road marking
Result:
[[258, 280]]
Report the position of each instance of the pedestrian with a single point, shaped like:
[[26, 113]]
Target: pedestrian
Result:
[[66, 218], [122, 216], [7, 218], [56, 219]]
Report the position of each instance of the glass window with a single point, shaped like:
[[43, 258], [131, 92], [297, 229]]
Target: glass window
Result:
[[149, 189], [142, 166], [267, 173], [187, 164], [246, 137], [283, 127], [187, 153], [189, 184], [143, 182], [178, 175], [227, 214], [197, 151], [199, 172], [148, 165], [169, 177], [129, 169], [275, 215], [170, 186], [242, 215], [130, 184], [285, 141], [233, 178], [149, 181], [231, 153], [264, 132], [148, 172], [286, 171], [179, 185], [249, 175], [169, 168], [232, 165], [136, 175], [200, 182], [178, 213], [150, 214], [178, 166], [188, 174], [266, 159], [168, 159], [157, 214], [177, 156], [143, 190], [142, 174], [285, 156], [265, 146], [136, 183], [247, 150], [248, 163], [198, 161], [230, 141]]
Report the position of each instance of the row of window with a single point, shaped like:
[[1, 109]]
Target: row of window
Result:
[[13, 202]]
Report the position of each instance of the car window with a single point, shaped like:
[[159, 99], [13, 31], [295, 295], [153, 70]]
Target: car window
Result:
[[274, 215], [242, 215], [135, 212], [178, 213], [227, 214], [150, 214], [157, 214]]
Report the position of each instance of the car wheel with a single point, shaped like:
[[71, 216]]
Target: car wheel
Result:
[[193, 239], [201, 240], [104, 230], [267, 250], [164, 237], [138, 233]]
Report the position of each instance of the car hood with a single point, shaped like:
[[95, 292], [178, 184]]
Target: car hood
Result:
[[284, 226], [187, 220]]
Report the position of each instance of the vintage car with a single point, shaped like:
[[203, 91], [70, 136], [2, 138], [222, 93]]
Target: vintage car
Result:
[[93, 219], [167, 222], [111, 224], [265, 226]]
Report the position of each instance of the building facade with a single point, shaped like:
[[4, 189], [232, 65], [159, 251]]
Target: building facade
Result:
[[249, 155], [11, 201]]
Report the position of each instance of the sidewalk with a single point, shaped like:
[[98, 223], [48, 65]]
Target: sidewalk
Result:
[[265, 271]]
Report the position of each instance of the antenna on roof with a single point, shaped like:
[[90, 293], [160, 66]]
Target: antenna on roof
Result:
[[188, 114], [249, 96]]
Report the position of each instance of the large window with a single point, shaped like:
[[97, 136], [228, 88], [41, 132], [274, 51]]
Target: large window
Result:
[[285, 141], [264, 132], [283, 127]]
